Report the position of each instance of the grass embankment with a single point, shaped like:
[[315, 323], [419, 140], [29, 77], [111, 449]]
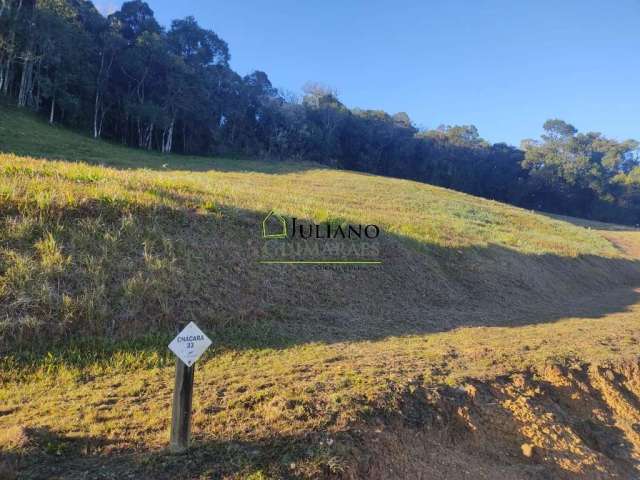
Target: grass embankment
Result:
[[103, 249]]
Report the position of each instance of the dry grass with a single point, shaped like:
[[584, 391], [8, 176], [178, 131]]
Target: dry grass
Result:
[[110, 243], [261, 409], [113, 251], [427, 214]]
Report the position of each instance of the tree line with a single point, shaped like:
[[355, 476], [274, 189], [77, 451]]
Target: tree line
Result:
[[127, 79]]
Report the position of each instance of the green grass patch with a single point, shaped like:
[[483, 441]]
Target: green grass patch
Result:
[[104, 251]]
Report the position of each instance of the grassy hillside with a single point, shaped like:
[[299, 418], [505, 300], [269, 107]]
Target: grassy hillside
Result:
[[103, 250], [114, 250]]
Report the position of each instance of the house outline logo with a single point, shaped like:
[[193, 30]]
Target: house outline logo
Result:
[[283, 224]]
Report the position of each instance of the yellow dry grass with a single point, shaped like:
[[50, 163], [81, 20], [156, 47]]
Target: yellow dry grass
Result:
[[98, 263]]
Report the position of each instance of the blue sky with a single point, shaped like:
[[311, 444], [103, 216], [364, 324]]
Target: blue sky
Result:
[[504, 66]]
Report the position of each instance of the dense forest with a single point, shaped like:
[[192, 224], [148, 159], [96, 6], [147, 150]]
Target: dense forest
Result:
[[127, 79]]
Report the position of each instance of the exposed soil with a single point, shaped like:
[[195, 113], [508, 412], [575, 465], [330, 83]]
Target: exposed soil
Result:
[[575, 422]]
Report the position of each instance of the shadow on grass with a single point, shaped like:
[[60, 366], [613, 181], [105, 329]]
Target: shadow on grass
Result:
[[214, 276], [591, 224], [26, 134], [46, 454]]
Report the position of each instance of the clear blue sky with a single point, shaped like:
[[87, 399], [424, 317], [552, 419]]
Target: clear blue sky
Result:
[[502, 65]]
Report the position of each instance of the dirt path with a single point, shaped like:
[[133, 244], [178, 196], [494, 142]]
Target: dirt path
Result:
[[626, 241]]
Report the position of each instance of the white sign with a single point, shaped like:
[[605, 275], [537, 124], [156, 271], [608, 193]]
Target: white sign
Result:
[[190, 344]]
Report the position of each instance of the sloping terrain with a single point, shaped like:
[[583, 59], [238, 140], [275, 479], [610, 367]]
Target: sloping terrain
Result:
[[490, 342]]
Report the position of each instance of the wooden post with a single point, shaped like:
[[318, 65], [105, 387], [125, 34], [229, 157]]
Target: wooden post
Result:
[[189, 344], [181, 412]]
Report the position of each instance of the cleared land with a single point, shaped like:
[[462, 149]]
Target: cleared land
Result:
[[486, 328]]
